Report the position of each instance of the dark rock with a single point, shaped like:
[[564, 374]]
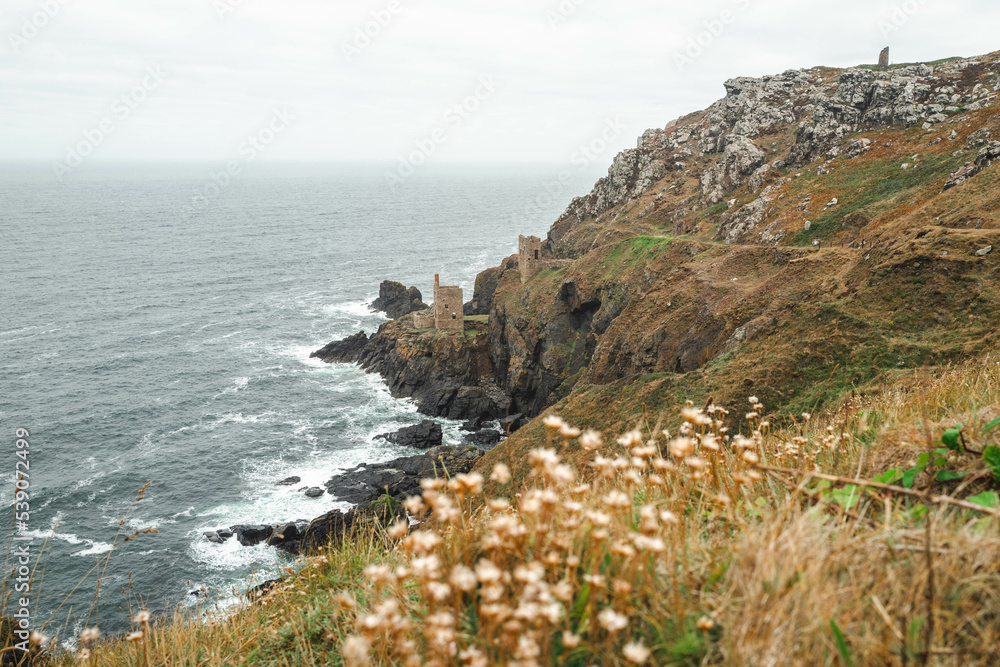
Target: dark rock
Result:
[[314, 492], [214, 536], [262, 588], [395, 300], [287, 537], [473, 424], [445, 375], [484, 438], [400, 477], [289, 481], [512, 423], [347, 351], [424, 435], [482, 296], [335, 525], [249, 535], [224, 533]]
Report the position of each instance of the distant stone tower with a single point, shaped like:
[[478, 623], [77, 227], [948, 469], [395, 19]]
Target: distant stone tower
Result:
[[447, 306], [529, 256], [883, 58]]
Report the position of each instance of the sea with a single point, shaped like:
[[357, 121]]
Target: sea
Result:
[[153, 334]]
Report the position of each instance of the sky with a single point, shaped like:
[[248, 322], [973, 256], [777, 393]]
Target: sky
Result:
[[418, 81]]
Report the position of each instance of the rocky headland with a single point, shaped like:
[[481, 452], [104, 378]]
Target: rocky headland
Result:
[[811, 233], [770, 242]]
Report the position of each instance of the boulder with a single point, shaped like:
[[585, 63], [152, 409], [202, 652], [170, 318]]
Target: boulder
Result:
[[258, 591], [287, 536], [314, 492], [213, 536], [400, 477], [473, 424], [424, 435], [486, 438], [334, 526], [250, 535], [511, 423], [395, 300], [289, 481]]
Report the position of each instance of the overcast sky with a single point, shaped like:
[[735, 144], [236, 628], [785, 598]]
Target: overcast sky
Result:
[[534, 80]]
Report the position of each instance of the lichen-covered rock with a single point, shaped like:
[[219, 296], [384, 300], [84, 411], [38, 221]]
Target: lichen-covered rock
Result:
[[987, 155], [740, 159]]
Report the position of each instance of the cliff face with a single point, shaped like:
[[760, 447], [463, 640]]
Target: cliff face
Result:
[[808, 233], [813, 196], [447, 374]]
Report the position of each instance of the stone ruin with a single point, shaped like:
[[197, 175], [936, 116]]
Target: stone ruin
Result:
[[446, 312], [529, 258], [883, 57]]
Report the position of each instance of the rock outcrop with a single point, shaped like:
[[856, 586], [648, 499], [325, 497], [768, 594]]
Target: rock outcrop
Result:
[[395, 300], [424, 435], [482, 296], [365, 486], [446, 374], [400, 477], [986, 157]]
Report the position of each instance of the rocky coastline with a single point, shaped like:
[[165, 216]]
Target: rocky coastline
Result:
[[693, 250], [376, 491]]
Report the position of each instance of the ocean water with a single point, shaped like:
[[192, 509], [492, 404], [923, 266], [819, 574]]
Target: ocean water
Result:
[[142, 342]]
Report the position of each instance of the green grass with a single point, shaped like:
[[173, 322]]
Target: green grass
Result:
[[634, 252], [875, 188]]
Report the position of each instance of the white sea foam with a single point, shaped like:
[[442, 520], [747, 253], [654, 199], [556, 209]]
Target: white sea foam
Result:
[[238, 385], [92, 546], [95, 549], [240, 418], [352, 309]]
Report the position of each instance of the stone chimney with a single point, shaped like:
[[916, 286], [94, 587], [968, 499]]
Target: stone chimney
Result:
[[883, 58]]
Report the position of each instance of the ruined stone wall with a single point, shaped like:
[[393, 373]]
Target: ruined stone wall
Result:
[[448, 308], [529, 256], [423, 319], [883, 58]]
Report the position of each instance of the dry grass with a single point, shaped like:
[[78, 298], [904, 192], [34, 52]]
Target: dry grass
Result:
[[666, 548]]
